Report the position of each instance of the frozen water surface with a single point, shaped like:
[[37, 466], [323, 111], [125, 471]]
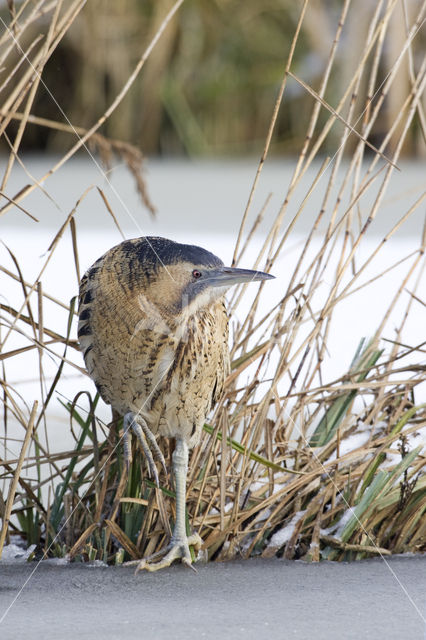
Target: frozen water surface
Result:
[[251, 599]]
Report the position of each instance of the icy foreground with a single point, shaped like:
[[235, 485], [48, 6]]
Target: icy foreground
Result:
[[252, 599]]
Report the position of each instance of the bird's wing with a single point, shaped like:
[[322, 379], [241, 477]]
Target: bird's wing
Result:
[[224, 365]]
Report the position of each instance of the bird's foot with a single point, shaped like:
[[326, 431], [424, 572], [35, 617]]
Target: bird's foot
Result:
[[147, 442], [175, 550]]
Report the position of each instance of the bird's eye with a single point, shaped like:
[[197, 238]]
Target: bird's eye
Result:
[[196, 274]]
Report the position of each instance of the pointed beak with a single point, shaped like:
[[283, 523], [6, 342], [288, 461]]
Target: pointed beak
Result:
[[228, 276]]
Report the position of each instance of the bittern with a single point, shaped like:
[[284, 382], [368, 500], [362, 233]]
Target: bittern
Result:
[[153, 329]]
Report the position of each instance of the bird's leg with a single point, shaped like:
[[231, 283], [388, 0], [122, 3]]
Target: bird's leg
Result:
[[180, 542], [147, 441]]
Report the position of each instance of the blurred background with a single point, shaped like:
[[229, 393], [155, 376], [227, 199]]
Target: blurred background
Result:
[[210, 84]]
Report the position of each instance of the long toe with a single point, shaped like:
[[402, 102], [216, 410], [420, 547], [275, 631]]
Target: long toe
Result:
[[176, 550], [146, 441]]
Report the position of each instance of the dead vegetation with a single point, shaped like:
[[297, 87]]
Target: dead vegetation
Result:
[[290, 463]]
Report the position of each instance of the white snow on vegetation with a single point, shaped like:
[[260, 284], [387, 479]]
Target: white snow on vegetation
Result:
[[283, 535], [351, 443], [15, 553]]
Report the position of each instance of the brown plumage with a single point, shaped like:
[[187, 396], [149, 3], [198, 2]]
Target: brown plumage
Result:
[[153, 330]]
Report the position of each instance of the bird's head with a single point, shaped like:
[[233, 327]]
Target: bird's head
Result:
[[183, 278]]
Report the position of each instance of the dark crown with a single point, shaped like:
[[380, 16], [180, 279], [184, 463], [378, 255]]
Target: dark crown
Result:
[[161, 251]]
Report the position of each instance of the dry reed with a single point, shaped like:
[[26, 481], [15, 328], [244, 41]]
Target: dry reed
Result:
[[273, 473]]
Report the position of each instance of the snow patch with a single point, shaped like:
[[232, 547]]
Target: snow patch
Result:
[[414, 439], [97, 563], [337, 528], [351, 443], [13, 553], [283, 535], [57, 561]]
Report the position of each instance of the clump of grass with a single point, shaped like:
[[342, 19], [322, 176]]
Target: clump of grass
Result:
[[290, 463]]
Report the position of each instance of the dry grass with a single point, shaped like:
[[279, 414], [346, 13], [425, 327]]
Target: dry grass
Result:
[[274, 472], [210, 81]]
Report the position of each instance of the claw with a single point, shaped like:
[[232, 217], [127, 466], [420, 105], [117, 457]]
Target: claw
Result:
[[127, 448], [154, 445], [189, 565], [177, 549], [147, 442]]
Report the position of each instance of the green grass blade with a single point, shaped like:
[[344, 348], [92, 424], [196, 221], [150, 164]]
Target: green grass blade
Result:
[[369, 474], [406, 417], [237, 446], [329, 423], [58, 507], [379, 483], [366, 501]]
